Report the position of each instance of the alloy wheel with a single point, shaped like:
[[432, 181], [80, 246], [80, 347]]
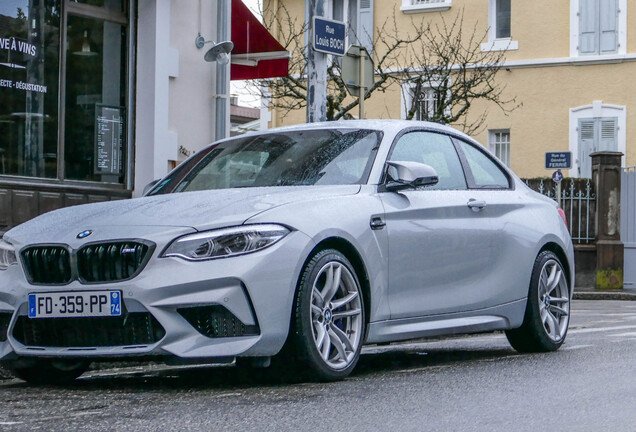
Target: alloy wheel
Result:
[[336, 315], [554, 300]]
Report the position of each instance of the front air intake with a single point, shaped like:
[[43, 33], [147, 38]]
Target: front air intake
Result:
[[5, 319], [135, 328], [215, 321]]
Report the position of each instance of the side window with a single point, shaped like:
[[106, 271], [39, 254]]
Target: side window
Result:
[[486, 173], [435, 150]]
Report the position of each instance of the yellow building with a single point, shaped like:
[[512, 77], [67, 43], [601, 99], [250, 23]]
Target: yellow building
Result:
[[568, 63]]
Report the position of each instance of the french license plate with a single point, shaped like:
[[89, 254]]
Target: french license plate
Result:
[[75, 304]]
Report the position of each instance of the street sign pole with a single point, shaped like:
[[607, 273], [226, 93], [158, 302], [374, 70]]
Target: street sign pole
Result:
[[557, 177], [357, 74], [363, 89], [316, 67]]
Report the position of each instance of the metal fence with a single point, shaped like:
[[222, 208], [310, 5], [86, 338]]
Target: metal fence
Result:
[[578, 201], [628, 225]]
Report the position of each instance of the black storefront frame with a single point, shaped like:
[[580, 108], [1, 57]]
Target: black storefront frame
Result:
[[95, 12], [38, 193]]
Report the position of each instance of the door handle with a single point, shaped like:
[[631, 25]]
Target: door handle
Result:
[[475, 205], [377, 223]]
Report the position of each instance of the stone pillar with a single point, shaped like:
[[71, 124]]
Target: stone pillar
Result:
[[606, 175]]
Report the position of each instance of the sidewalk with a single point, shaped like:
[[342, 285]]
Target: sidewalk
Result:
[[589, 293]]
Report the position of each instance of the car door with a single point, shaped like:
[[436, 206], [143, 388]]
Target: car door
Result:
[[440, 239], [513, 232]]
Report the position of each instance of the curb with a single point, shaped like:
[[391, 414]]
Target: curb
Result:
[[604, 295]]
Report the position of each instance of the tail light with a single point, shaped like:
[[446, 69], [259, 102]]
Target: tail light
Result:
[[562, 214]]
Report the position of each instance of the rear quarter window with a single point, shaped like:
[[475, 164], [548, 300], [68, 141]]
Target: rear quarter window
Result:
[[487, 174]]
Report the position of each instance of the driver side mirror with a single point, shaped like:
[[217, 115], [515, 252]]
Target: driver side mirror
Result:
[[149, 186], [411, 175]]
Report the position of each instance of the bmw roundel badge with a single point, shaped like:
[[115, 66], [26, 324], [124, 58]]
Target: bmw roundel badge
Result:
[[84, 234]]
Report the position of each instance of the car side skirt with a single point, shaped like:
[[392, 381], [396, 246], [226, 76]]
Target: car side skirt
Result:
[[502, 317]]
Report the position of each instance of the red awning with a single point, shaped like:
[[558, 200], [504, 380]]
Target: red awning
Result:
[[256, 53]]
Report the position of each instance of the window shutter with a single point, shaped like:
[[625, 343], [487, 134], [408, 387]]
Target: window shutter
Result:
[[365, 27], [587, 134], [608, 135], [608, 26], [588, 26]]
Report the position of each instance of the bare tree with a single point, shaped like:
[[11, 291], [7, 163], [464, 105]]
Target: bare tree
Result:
[[441, 67], [455, 72]]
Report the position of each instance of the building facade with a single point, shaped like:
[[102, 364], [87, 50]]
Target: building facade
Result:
[[100, 97], [568, 64]]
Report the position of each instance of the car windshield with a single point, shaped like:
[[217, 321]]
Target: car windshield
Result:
[[293, 158]]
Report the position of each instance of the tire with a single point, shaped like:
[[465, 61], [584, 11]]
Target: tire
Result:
[[547, 314], [328, 320], [50, 372]]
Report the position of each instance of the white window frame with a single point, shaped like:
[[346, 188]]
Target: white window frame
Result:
[[596, 110], [493, 43], [574, 30], [345, 17], [407, 96], [493, 144], [418, 6]]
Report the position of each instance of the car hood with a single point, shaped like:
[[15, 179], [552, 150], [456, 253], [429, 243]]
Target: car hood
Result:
[[193, 210]]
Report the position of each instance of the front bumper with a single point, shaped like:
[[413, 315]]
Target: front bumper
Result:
[[256, 291]]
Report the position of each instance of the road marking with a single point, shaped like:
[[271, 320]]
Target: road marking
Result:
[[226, 395], [425, 368], [629, 335], [575, 347], [10, 423], [601, 329]]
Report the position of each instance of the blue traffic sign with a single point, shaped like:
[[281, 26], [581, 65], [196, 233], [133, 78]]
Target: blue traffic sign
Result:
[[558, 160], [557, 176], [329, 36]]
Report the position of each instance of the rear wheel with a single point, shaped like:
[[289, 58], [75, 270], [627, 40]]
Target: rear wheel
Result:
[[328, 321], [47, 371], [547, 315]]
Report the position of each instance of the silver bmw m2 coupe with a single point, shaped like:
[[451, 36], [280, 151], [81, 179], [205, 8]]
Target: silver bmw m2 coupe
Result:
[[295, 246]]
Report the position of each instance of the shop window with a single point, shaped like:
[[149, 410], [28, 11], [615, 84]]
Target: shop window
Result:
[[116, 5], [29, 76], [93, 70], [95, 100]]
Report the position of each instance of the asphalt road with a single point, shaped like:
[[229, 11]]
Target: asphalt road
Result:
[[461, 384]]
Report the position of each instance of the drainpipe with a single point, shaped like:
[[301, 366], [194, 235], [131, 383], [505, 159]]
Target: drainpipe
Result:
[[222, 72]]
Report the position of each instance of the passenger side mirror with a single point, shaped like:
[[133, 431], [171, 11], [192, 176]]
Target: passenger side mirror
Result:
[[411, 175]]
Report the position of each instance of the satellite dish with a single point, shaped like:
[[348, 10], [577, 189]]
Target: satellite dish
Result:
[[219, 52]]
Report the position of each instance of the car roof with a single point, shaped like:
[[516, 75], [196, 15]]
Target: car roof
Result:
[[389, 126]]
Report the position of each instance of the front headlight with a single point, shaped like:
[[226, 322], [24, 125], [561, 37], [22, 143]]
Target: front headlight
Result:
[[226, 242], [7, 255]]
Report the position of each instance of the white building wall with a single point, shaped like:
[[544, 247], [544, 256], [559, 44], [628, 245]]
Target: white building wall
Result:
[[175, 86], [192, 93]]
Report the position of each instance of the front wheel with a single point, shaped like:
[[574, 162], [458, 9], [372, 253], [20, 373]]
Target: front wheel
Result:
[[547, 315], [328, 321]]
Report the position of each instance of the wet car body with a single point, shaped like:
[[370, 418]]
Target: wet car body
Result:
[[424, 262]]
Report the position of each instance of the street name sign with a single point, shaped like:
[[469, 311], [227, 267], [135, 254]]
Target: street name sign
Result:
[[558, 160], [329, 36]]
